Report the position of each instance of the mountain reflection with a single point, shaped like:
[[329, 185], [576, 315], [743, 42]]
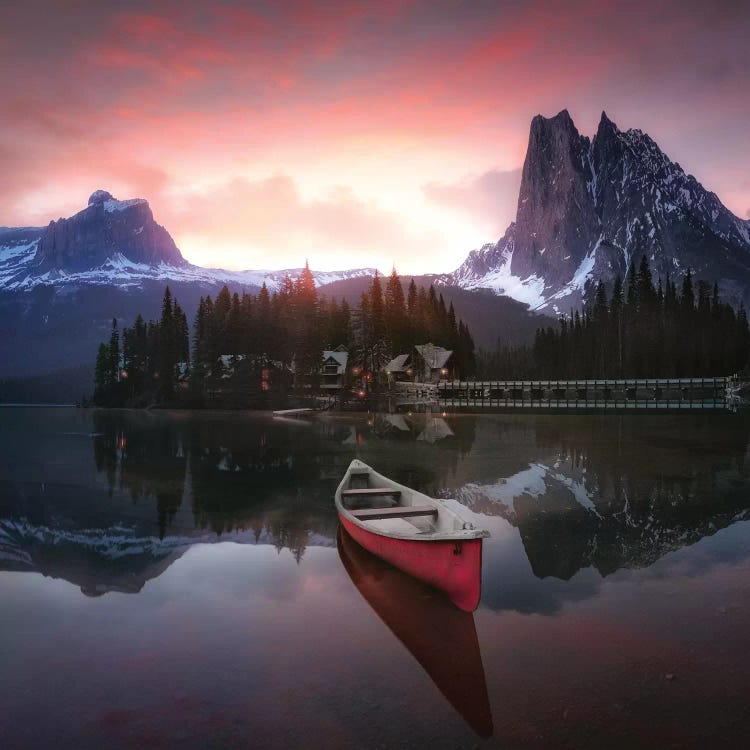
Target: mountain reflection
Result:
[[136, 489], [615, 492]]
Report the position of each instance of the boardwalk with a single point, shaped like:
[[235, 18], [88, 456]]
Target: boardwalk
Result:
[[648, 393]]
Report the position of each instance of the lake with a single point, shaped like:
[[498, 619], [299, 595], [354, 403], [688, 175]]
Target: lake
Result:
[[178, 580]]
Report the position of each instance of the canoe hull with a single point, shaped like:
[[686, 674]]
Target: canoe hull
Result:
[[441, 637], [454, 567]]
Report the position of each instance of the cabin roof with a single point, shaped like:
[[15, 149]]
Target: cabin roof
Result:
[[435, 356], [339, 357], [397, 364]]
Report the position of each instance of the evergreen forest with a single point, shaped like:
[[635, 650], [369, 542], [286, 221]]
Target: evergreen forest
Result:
[[283, 333], [637, 330]]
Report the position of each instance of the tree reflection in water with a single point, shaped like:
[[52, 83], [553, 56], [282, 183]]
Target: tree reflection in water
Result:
[[607, 492]]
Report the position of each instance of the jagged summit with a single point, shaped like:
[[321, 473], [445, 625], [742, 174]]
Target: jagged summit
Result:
[[106, 231], [118, 243], [588, 207]]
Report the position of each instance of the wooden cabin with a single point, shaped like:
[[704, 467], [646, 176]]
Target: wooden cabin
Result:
[[333, 370], [426, 364], [432, 363]]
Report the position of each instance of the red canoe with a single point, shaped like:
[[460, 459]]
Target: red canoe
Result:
[[413, 532]]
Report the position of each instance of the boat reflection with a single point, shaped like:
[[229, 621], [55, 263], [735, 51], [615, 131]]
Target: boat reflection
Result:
[[442, 638]]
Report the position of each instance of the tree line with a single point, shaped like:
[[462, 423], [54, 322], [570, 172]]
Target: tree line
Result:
[[147, 362], [289, 328], [636, 330]]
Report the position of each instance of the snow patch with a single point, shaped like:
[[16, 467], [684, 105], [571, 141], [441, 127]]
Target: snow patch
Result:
[[529, 291], [111, 206]]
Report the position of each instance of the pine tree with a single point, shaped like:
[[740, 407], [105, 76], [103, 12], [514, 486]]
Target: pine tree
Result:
[[114, 354], [167, 346], [102, 375], [395, 314], [377, 312]]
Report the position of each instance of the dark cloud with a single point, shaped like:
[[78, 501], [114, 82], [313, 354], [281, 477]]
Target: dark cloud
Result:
[[490, 197]]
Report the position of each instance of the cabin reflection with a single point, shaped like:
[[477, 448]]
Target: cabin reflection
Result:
[[441, 637]]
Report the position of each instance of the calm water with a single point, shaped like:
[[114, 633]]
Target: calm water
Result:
[[174, 580]]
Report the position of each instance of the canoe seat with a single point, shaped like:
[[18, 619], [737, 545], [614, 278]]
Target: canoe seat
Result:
[[365, 491], [400, 511]]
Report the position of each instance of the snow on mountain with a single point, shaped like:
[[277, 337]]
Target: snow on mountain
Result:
[[497, 260], [534, 482], [115, 558], [17, 273], [588, 209], [118, 243]]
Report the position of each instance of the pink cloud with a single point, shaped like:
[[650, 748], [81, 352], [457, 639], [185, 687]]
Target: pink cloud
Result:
[[166, 100], [490, 197]]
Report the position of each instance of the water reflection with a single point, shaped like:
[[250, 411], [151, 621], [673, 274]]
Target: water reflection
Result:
[[442, 638], [612, 493], [109, 499], [265, 642]]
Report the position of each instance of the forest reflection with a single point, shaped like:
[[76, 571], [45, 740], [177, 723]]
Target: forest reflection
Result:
[[240, 475], [598, 490], [585, 491]]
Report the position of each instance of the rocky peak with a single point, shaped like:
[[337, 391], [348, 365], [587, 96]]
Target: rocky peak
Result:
[[99, 196], [107, 231], [553, 225], [588, 209], [607, 128]]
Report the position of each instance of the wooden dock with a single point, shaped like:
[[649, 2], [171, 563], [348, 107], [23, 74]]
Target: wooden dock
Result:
[[647, 393]]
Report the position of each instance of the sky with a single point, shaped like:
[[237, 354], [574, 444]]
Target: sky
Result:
[[350, 134]]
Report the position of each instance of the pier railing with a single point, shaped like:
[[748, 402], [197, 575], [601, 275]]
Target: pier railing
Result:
[[625, 393]]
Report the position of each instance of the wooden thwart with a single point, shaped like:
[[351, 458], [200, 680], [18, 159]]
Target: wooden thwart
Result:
[[400, 511], [365, 491]]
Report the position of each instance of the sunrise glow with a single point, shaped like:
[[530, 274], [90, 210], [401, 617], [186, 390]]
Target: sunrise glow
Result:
[[352, 134]]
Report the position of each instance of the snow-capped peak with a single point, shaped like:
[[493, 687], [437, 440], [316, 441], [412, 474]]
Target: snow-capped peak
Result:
[[588, 208]]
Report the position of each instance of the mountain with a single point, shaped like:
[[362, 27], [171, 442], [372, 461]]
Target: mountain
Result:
[[61, 285], [589, 209], [118, 243]]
